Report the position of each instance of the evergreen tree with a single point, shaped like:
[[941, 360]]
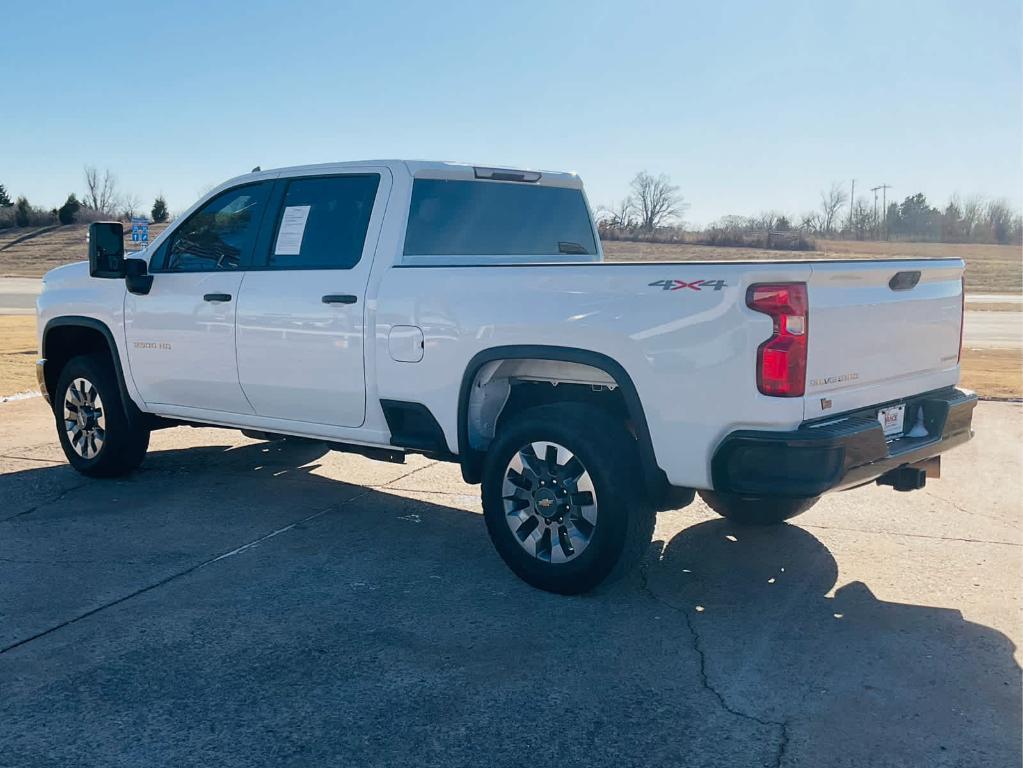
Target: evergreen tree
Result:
[[22, 213], [159, 212], [67, 212], [5, 199]]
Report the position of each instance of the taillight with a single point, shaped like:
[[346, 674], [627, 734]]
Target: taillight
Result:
[[962, 316], [781, 360]]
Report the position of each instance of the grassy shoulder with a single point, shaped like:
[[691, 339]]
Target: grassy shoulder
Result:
[[990, 372], [18, 354], [993, 372], [989, 268]]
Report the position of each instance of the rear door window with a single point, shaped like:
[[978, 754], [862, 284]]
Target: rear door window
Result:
[[322, 222], [486, 218]]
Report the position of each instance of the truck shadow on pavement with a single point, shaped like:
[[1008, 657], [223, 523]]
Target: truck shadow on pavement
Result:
[[231, 606]]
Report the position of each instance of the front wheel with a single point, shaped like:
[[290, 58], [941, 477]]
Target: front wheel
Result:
[[94, 430], [756, 510], [563, 498]]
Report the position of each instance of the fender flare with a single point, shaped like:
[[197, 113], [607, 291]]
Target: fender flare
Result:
[[131, 410], [471, 460]]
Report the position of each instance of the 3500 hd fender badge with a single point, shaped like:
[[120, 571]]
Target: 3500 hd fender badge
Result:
[[695, 285], [152, 345]]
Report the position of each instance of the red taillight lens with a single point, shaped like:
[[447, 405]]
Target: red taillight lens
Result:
[[962, 316], [781, 360]]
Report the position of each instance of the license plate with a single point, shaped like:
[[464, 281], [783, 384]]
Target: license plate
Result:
[[892, 419]]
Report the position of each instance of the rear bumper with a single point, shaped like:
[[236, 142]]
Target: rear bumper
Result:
[[830, 455]]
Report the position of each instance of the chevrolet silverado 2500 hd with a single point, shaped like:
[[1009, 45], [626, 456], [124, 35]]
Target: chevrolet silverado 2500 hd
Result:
[[464, 312]]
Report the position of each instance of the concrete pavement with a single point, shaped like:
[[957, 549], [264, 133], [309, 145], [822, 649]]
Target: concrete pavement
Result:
[[237, 603]]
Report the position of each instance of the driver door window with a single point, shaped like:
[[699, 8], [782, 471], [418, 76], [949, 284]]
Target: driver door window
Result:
[[221, 235]]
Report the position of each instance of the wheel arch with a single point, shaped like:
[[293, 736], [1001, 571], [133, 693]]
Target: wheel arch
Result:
[[68, 336], [471, 459]]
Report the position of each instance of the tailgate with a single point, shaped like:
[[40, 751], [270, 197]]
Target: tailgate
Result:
[[881, 330]]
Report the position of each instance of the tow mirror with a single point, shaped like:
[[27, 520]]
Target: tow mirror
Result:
[[137, 277], [106, 249]]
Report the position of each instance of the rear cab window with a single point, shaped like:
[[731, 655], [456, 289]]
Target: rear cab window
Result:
[[322, 222], [458, 221]]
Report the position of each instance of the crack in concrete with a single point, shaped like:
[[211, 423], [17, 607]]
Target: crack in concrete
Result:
[[197, 566], [914, 535], [30, 458], [961, 509], [47, 503], [697, 646]]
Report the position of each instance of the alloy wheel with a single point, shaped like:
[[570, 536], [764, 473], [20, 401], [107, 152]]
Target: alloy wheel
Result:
[[84, 420], [549, 502]]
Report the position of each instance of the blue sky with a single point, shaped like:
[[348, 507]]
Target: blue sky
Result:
[[747, 106]]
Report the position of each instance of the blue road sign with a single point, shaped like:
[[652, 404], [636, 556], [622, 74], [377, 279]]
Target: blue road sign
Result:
[[140, 230]]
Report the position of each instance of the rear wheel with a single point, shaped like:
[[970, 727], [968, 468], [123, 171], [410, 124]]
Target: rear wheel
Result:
[[93, 428], [756, 510], [563, 498]]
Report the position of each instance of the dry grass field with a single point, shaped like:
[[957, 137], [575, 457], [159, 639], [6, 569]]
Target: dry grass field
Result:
[[33, 252], [18, 353], [989, 268], [990, 372], [993, 372]]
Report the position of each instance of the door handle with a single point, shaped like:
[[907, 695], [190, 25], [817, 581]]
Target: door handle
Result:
[[339, 298], [217, 297]]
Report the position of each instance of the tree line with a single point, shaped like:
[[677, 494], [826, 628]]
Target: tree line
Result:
[[653, 210], [100, 200]]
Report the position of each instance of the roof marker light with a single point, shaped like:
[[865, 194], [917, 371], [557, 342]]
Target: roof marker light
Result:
[[506, 174]]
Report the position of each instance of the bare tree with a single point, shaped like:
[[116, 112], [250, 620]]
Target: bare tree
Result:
[[620, 216], [973, 214], [863, 220], [767, 221], [810, 222], [100, 191], [131, 207], [656, 200], [999, 217], [831, 202]]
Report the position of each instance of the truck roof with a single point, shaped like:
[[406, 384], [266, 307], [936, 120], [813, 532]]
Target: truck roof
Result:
[[433, 169]]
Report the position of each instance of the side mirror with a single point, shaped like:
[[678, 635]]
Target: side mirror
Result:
[[106, 249], [137, 277]]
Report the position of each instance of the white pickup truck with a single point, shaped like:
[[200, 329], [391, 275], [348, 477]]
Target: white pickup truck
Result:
[[463, 312]]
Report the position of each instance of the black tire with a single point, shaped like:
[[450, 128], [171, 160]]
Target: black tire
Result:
[[122, 446], [624, 516], [756, 510]]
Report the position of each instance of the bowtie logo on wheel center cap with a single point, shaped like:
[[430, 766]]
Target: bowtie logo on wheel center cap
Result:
[[546, 502]]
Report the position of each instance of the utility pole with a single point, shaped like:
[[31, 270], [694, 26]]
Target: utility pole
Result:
[[876, 220], [852, 199], [884, 206]]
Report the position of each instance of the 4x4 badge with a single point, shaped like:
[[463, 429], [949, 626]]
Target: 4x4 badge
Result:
[[695, 285]]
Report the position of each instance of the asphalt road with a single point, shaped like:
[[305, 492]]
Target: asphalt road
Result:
[[18, 295], [237, 603], [993, 330]]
